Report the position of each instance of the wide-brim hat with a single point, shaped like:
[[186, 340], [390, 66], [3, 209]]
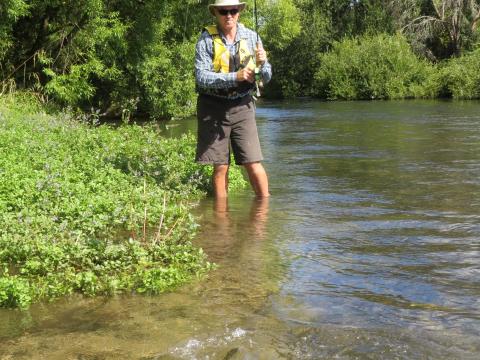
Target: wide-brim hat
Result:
[[222, 3]]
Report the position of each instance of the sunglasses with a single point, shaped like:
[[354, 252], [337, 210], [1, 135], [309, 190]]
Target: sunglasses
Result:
[[225, 12]]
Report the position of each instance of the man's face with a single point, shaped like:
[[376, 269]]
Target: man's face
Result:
[[227, 17]]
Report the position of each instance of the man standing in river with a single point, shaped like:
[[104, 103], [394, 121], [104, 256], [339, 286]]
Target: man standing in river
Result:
[[226, 58]]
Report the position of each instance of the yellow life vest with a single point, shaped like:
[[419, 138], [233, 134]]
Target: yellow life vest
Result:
[[222, 61]]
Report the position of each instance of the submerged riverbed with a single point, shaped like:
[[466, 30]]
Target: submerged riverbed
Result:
[[369, 248]]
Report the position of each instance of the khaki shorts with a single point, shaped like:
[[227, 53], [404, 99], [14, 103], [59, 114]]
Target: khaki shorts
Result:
[[224, 125]]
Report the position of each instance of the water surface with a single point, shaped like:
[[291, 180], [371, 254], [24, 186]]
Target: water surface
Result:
[[369, 248]]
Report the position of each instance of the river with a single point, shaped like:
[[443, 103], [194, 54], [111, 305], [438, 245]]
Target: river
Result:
[[369, 248]]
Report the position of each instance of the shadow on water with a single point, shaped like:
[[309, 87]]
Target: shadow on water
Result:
[[368, 249]]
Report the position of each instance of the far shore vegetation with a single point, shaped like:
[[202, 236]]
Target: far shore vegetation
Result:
[[125, 57], [95, 209]]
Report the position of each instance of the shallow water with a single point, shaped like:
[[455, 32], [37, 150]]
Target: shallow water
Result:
[[369, 248]]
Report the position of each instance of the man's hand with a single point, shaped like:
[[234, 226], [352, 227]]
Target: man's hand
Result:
[[261, 54], [246, 74]]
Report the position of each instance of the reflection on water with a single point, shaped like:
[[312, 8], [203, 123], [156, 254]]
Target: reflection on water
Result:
[[255, 224], [368, 249]]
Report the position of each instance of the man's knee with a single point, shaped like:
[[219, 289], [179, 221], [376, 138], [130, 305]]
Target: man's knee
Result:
[[220, 167], [254, 167], [219, 170]]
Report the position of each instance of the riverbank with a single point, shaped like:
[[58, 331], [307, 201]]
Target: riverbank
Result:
[[94, 209]]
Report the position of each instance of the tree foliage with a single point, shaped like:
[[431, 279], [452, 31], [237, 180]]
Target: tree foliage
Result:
[[102, 53], [439, 28]]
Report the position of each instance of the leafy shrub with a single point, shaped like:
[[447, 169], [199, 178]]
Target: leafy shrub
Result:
[[94, 210], [371, 67], [14, 292], [166, 75], [457, 78]]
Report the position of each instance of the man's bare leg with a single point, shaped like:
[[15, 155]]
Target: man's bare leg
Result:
[[220, 181], [258, 178]]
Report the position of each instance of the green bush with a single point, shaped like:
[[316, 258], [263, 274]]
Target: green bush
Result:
[[94, 210], [371, 67], [457, 78], [166, 75], [14, 292]]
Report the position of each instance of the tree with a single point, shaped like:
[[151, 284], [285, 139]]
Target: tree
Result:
[[112, 55], [60, 47], [439, 28]]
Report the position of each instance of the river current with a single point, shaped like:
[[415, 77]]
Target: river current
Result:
[[369, 248]]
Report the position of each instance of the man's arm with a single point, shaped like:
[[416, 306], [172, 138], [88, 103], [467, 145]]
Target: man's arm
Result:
[[205, 77], [265, 67]]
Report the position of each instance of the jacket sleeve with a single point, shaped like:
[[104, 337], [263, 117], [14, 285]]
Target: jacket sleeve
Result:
[[205, 77]]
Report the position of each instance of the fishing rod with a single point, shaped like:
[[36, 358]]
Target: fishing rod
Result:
[[256, 19], [257, 70]]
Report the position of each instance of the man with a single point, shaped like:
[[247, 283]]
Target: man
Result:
[[225, 60]]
